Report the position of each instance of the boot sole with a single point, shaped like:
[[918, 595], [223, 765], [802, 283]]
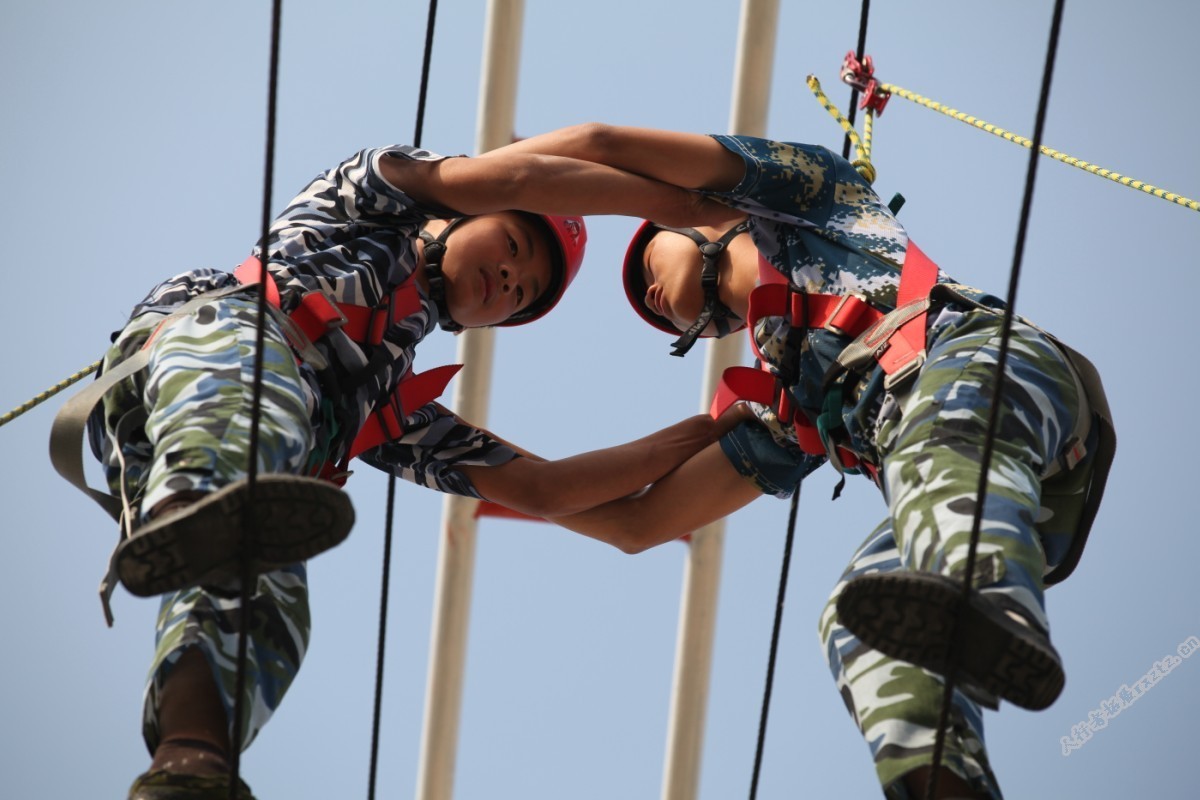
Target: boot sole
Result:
[[911, 617], [293, 519]]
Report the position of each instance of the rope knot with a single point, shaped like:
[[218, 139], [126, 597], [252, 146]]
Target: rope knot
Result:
[[865, 169]]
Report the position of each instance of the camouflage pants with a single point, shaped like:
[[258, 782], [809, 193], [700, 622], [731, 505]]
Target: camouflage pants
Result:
[[193, 403], [931, 454]]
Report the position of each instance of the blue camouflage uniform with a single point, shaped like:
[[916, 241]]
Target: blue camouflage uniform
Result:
[[352, 235], [818, 223]]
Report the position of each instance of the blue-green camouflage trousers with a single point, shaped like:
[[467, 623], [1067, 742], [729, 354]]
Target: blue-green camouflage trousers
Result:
[[193, 403], [931, 451]]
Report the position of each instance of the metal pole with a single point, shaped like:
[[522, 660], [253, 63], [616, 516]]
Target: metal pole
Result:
[[698, 612], [456, 556]]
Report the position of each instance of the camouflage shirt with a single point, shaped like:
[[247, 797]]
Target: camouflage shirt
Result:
[[816, 221], [353, 235]]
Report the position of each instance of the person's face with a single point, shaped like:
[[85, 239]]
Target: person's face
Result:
[[495, 265], [672, 273]]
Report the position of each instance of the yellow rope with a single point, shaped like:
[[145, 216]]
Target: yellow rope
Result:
[[868, 126], [1124, 180], [53, 390], [862, 146]]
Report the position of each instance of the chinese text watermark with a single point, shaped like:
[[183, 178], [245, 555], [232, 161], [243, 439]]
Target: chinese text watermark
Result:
[[1127, 696]]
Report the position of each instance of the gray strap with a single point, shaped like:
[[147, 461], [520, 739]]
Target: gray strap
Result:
[[67, 431], [871, 343]]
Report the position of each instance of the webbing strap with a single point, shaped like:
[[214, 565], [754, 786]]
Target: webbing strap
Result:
[[413, 391], [842, 314], [317, 314], [67, 430], [906, 347], [762, 387]]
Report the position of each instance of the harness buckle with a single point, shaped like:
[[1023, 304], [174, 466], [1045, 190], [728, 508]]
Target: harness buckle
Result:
[[843, 319], [906, 371]]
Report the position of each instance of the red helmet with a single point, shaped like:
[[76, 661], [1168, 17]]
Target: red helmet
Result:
[[635, 280], [570, 234]]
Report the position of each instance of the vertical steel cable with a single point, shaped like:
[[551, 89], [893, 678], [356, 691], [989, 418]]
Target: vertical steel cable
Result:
[[862, 47], [997, 390], [248, 578], [766, 703], [383, 604], [385, 580]]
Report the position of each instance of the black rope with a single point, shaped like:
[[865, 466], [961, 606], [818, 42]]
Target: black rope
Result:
[[862, 47], [997, 390], [248, 578], [766, 703], [385, 580], [425, 73], [383, 608]]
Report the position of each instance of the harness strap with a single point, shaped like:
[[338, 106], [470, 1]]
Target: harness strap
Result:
[[434, 252], [713, 308], [905, 351], [317, 314], [763, 387], [896, 340], [413, 391], [842, 314]]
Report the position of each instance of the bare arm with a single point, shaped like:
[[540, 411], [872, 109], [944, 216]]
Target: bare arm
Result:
[[567, 486], [687, 160], [704, 489], [546, 184]]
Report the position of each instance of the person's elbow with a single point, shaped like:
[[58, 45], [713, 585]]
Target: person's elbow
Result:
[[635, 530], [632, 546]]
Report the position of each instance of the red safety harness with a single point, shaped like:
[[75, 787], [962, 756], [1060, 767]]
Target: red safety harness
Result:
[[317, 314], [895, 339]]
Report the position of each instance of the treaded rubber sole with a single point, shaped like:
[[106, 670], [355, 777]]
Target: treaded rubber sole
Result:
[[910, 616], [293, 519]]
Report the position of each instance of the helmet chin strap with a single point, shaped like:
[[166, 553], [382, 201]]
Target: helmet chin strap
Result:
[[714, 311], [435, 251]]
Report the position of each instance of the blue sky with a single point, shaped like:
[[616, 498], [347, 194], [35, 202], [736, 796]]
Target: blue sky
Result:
[[132, 148]]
